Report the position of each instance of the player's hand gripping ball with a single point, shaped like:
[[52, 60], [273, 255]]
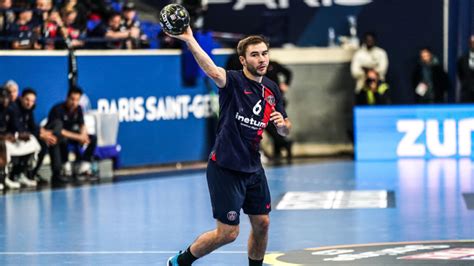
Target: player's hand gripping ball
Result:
[[174, 19]]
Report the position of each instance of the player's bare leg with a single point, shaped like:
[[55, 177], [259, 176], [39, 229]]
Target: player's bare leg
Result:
[[212, 240], [206, 243], [258, 239]]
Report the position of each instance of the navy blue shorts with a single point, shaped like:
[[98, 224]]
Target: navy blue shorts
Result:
[[232, 190]]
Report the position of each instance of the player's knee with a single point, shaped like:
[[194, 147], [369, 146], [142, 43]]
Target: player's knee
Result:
[[262, 224], [229, 234]]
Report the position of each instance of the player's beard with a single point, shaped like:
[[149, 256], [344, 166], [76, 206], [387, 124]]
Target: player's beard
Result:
[[254, 71]]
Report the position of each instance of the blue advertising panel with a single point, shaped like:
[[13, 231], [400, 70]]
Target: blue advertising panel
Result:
[[46, 74], [161, 121], [429, 131]]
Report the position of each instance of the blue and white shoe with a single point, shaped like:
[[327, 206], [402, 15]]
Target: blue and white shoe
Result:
[[173, 261]]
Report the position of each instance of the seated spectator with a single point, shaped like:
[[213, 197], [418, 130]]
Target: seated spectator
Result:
[[130, 21], [28, 125], [52, 30], [466, 73], [12, 88], [374, 92], [80, 13], [66, 120], [7, 135], [120, 37], [26, 148], [430, 81], [24, 32], [7, 18], [41, 12]]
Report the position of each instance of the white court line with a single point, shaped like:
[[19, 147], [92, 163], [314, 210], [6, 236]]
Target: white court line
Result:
[[41, 253]]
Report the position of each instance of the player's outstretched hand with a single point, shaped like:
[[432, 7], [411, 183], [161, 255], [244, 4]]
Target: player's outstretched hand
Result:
[[186, 36]]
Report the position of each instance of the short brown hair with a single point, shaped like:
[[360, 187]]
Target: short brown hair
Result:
[[250, 40]]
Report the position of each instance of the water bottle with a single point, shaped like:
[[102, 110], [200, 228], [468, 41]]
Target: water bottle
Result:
[[354, 41], [331, 37]]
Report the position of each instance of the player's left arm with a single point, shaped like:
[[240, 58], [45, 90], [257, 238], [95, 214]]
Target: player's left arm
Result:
[[282, 124]]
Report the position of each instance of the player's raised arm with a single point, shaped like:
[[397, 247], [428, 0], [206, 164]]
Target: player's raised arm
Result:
[[216, 73]]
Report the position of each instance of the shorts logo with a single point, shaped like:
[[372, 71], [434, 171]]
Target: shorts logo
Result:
[[232, 216]]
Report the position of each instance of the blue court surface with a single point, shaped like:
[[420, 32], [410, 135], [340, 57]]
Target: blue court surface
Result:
[[145, 219]]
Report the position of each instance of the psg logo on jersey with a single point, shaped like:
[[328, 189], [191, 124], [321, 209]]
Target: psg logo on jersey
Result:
[[270, 100]]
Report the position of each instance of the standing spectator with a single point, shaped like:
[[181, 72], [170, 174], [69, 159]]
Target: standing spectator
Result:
[[430, 81], [66, 119], [374, 92], [466, 73], [27, 124], [369, 56], [24, 32]]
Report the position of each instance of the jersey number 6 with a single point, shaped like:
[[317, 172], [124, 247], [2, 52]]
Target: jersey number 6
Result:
[[257, 108]]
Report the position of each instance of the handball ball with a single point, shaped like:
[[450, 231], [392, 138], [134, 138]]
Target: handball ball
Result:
[[174, 19]]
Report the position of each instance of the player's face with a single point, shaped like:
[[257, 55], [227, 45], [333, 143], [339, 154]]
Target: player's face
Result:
[[28, 101], [256, 59], [72, 101]]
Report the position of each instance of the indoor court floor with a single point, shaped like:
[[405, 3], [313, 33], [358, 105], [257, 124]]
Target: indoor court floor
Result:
[[331, 212]]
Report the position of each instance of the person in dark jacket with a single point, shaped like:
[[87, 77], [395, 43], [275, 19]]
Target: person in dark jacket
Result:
[[430, 81], [466, 73]]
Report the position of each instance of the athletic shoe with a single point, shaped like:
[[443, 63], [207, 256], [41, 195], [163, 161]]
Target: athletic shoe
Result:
[[11, 184], [85, 168], [25, 181], [1, 186], [173, 261], [67, 169]]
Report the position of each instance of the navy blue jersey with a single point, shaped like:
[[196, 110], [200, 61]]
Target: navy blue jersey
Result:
[[26, 120], [245, 108], [72, 121], [8, 123]]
